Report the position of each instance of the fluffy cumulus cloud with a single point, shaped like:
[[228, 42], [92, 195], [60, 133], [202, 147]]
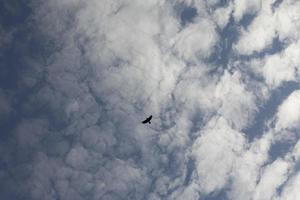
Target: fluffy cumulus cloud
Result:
[[214, 170], [270, 23], [289, 112], [221, 79]]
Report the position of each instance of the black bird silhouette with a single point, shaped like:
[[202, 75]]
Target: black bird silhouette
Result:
[[148, 120]]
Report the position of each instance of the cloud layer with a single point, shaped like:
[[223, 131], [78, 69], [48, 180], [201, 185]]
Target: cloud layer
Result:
[[78, 77]]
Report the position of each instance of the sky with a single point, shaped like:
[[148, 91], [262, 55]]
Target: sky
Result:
[[220, 77]]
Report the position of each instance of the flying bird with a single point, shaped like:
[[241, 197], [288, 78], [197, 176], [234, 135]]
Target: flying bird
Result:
[[148, 120]]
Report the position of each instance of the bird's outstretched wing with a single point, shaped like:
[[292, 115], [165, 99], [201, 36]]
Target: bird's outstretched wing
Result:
[[147, 120]]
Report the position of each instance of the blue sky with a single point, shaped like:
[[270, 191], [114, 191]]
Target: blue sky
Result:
[[221, 79]]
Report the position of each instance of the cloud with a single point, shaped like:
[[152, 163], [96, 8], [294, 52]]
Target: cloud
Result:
[[247, 167], [216, 151], [272, 177], [197, 40], [222, 15], [190, 192], [237, 104], [290, 191], [288, 115], [244, 7], [259, 34], [93, 70], [268, 25]]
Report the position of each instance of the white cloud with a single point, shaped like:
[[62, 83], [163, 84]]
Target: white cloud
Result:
[[288, 115], [112, 63], [242, 7], [272, 177], [291, 189], [119, 178], [247, 167], [196, 41], [78, 157], [267, 25], [279, 68], [222, 15], [258, 35], [191, 192], [99, 139], [287, 20], [237, 104], [296, 151], [216, 151]]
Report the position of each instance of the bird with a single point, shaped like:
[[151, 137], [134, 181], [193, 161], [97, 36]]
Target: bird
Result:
[[148, 120]]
